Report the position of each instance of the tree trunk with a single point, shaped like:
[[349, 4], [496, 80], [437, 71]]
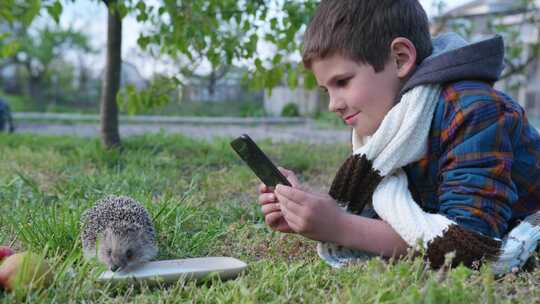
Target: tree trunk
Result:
[[111, 81], [212, 83], [35, 91]]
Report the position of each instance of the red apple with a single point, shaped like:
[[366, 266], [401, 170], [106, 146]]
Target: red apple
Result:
[[25, 270], [5, 251]]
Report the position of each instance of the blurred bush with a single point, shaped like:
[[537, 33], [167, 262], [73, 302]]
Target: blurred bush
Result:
[[290, 110]]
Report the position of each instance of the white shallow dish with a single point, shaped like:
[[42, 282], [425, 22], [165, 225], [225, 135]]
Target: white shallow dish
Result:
[[170, 271]]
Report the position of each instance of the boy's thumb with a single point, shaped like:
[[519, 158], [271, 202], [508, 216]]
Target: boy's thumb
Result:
[[290, 176]]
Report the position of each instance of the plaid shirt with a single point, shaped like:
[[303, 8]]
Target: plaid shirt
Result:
[[482, 168]]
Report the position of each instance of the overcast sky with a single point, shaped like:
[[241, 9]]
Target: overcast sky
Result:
[[90, 17]]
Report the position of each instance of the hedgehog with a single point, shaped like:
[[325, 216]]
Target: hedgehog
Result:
[[119, 232]]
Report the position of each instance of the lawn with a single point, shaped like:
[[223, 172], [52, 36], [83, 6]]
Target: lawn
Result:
[[203, 203]]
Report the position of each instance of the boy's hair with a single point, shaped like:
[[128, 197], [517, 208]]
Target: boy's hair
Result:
[[363, 30]]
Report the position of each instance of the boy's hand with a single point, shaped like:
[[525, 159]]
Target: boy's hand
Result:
[[271, 207], [314, 215]]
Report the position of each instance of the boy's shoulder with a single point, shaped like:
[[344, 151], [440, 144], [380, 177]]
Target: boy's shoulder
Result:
[[468, 92], [468, 107], [471, 96]]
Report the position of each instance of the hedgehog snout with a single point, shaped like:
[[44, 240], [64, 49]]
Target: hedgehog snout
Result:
[[120, 259], [116, 264]]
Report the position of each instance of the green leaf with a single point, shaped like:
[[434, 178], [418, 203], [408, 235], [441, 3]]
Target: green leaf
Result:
[[55, 10], [162, 10], [309, 80], [292, 78], [141, 6], [273, 23], [270, 38], [277, 59], [122, 10], [141, 17], [9, 49], [258, 64], [143, 41]]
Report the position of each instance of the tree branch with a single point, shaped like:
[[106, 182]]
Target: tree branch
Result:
[[513, 69]]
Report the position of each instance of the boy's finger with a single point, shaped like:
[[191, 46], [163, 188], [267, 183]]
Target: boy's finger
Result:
[[292, 219], [290, 206], [284, 171], [267, 198], [294, 181], [264, 189], [269, 208], [291, 177], [294, 194], [273, 218]]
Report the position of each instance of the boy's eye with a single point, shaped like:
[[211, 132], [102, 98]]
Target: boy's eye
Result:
[[324, 90], [342, 82], [129, 253]]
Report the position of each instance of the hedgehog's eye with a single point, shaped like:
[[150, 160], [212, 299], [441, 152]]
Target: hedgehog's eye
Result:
[[129, 254], [109, 252]]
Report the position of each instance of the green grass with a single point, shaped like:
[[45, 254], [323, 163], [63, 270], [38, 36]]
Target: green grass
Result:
[[203, 202], [17, 103]]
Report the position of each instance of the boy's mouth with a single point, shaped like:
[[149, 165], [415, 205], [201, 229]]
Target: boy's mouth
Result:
[[349, 118]]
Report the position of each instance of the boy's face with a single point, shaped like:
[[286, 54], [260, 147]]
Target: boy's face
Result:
[[357, 94]]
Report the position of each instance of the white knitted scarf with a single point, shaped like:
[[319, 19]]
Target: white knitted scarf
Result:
[[401, 139]]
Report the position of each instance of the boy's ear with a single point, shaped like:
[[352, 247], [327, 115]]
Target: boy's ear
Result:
[[403, 55]]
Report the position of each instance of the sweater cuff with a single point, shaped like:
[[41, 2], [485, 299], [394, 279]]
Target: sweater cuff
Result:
[[470, 248]]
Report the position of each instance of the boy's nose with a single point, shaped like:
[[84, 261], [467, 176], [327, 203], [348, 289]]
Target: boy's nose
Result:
[[335, 104]]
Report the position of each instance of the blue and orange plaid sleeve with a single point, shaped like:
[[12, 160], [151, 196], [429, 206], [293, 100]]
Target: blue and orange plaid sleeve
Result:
[[476, 134]]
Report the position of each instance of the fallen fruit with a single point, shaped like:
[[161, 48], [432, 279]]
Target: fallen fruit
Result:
[[25, 270], [5, 251]]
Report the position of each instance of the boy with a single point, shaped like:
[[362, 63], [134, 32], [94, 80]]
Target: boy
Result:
[[444, 160], [5, 117]]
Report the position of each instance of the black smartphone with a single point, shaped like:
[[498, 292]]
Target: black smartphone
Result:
[[259, 163]]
